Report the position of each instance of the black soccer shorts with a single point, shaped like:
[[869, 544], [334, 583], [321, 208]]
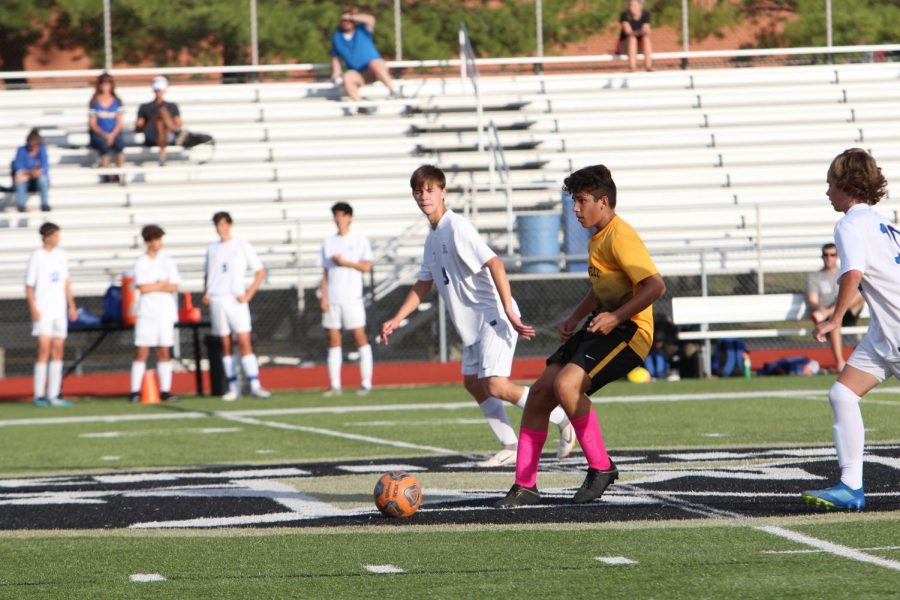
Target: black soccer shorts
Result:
[[604, 357]]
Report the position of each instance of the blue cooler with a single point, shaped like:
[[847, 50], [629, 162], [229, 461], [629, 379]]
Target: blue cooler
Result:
[[539, 238], [575, 237]]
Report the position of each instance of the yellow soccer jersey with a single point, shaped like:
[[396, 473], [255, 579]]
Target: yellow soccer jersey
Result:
[[617, 261]]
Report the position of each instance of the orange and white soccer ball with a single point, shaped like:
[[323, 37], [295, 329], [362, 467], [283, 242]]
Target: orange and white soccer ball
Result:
[[398, 494]]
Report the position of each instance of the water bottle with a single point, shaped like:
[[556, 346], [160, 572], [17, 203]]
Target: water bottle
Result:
[[748, 370]]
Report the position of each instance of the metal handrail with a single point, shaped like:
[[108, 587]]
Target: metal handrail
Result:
[[468, 69], [456, 63]]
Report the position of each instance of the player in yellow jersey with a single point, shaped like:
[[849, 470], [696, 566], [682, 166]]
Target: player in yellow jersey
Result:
[[614, 339]]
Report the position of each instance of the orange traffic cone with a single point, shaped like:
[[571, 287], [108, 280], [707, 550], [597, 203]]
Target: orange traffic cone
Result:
[[149, 388]]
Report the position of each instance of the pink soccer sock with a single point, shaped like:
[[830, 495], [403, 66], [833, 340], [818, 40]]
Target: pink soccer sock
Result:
[[587, 429], [528, 455]]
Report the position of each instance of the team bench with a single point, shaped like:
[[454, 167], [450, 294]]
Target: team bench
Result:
[[745, 310]]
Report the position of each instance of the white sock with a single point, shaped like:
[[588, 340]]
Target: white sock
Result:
[[164, 368], [558, 417], [524, 399], [251, 371], [335, 357], [54, 379], [230, 366], [849, 434], [365, 365], [495, 415], [137, 376], [40, 379]]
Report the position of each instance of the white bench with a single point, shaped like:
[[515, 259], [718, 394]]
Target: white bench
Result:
[[755, 308]]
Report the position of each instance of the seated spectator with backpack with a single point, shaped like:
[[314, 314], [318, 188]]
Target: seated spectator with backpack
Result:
[[160, 122]]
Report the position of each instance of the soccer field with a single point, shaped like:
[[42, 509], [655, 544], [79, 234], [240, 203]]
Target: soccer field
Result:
[[274, 499]]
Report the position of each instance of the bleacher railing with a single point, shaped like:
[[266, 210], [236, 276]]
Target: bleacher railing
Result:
[[468, 70], [868, 52]]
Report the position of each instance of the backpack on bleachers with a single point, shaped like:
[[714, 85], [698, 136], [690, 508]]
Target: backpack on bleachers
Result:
[[728, 360], [112, 305], [656, 364]]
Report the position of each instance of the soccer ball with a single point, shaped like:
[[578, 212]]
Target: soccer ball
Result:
[[639, 375], [398, 494]]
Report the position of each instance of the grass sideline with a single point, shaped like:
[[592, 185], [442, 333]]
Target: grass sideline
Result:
[[709, 558]]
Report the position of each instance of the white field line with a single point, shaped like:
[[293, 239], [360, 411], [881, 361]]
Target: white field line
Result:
[[382, 408], [823, 545], [146, 577], [383, 569], [615, 560], [337, 434], [872, 549]]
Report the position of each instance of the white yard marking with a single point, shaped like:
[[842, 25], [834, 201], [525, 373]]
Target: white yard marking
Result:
[[714, 435], [379, 468], [615, 560], [333, 433], [176, 475], [417, 406], [265, 452], [383, 569], [830, 547], [806, 540], [148, 432], [422, 422], [110, 458], [147, 577]]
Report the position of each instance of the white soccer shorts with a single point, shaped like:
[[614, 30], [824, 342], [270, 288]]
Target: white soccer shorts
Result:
[[347, 315], [154, 333], [228, 316], [867, 359], [492, 354], [57, 327]]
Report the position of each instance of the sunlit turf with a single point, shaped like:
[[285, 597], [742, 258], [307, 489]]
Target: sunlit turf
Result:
[[203, 431]]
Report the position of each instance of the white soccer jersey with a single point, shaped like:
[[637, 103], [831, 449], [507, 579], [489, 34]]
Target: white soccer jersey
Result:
[[47, 273], [454, 258], [226, 264], [869, 243], [345, 284], [157, 305]]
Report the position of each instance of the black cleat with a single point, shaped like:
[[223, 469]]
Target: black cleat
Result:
[[135, 397], [168, 397], [595, 484], [519, 496]]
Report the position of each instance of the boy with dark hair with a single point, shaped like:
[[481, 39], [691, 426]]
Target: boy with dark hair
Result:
[[228, 298], [869, 248], [156, 278], [471, 280], [614, 339], [49, 294], [346, 255]]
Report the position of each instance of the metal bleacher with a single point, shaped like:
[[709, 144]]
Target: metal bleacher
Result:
[[706, 158]]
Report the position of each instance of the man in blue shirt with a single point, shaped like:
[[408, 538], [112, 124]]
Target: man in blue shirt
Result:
[[353, 44], [31, 170]]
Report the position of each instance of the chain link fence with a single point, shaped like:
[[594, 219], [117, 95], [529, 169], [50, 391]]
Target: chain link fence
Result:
[[287, 322]]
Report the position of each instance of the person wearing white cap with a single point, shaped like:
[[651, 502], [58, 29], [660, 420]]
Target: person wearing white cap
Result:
[[159, 120]]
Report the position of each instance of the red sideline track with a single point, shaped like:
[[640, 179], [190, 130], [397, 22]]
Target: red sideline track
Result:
[[310, 378]]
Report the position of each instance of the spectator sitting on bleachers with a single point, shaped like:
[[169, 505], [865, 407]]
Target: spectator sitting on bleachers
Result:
[[821, 298], [353, 44], [160, 120], [105, 124], [635, 22], [30, 171]]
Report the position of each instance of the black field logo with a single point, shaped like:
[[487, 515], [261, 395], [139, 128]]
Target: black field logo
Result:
[[654, 485]]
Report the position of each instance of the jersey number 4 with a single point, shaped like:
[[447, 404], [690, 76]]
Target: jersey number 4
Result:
[[224, 267]]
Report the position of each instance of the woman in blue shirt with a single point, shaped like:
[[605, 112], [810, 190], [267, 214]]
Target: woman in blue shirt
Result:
[[105, 124], [31, 169]]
